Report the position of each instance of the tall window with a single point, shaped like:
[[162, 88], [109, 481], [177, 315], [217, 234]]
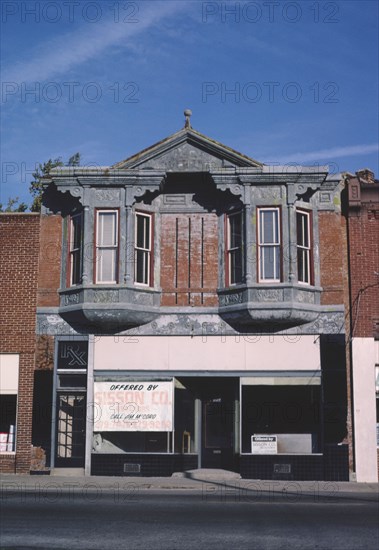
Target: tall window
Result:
[[235, 248], [106, 246], [269, 244], [142, 249], [76, 249], [303, 247]]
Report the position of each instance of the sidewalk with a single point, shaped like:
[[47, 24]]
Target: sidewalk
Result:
[[207, 482]]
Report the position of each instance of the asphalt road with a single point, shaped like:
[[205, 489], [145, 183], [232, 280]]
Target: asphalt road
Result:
[[132, 519]]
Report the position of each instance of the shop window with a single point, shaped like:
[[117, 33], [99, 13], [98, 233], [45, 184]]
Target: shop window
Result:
[[235, 266], [283, 411], [304, 251], [8, 408], [106, 246], [131, 442], [142, 249], [76, 249], [269, 245]]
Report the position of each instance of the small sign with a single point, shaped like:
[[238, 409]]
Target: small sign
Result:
[[282, 468], [73, 354], [264, 444]]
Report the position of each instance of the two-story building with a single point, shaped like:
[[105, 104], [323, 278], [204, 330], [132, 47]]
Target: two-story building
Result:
[[362, 214], [201, 315]]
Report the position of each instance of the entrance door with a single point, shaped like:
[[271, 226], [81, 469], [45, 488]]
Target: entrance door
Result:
[[71, 430], [218, 432]]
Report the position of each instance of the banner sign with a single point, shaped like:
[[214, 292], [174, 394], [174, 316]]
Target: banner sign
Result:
[[133, 406], [264, 444]]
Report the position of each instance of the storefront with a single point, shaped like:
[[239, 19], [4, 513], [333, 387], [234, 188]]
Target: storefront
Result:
[[155, 405]]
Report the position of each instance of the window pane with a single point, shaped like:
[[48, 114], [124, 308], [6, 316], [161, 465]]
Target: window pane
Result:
[[107, 229], [302, 229], [303, 247], [277, 262], [76, 229], [143, 232], [236, 272], [235, 231], [267, 226], [269, 263], [76, 249], [106, 265], [269, 259], [142, 267], [76, 274]]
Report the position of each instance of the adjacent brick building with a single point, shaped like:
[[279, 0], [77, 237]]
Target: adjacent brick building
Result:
[[362, 214], [29, 277], [19, 238]]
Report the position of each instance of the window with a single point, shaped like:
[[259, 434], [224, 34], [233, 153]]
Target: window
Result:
[[269, 244], [106, 246], [76, 245], [142, 249], [234, 248], [9, 375], [303, 247]]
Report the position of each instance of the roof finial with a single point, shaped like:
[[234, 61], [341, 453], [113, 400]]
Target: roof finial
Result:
[[187, 114]]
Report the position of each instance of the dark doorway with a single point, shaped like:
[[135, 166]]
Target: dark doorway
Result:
[[218, 421], [71, 430]]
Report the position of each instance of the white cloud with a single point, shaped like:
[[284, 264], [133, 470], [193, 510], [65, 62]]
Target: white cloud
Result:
[[333, 153], [63, 53]]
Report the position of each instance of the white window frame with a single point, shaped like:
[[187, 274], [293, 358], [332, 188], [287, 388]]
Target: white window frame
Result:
[[232, 250], [302, 249], [263, 246], [75, 251], [100, 247], [146, 252]]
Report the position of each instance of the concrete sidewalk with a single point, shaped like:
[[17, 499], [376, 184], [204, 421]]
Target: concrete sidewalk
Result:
[[207, 482]]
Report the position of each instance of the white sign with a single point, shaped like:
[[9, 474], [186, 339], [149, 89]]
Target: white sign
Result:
[[264, 444], [133, 406]]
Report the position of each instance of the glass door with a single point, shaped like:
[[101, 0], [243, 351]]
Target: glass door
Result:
[[71, 430]]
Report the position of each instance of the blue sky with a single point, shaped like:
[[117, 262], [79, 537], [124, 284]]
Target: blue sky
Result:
[[280, 81]]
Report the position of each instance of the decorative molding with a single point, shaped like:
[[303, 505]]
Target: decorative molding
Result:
[[269, 295], [143, 298], [305, 297], [266, 193], [107, 195], [228, 299], [106, 296], [72, 298]]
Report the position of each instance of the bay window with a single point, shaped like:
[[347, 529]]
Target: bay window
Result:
[[106, 246], [142, 248], [303, 245], [76, 249], [269, 245], [235, 265]]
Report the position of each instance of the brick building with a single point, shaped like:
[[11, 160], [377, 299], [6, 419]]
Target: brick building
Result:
[[362, 215], [19, 238], [200, 318]]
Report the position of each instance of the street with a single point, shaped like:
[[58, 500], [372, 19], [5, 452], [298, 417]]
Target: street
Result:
[[224, 517]]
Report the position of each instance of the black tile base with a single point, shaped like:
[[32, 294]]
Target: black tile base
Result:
[[333, 465], [151, 465]]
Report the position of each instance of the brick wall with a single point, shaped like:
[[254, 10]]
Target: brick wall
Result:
[[364, 262], [332, 246], [189, 259], [50, 261], [19, 242]]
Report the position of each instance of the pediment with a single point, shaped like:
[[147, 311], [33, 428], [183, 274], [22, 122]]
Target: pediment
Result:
[[187, 151]]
